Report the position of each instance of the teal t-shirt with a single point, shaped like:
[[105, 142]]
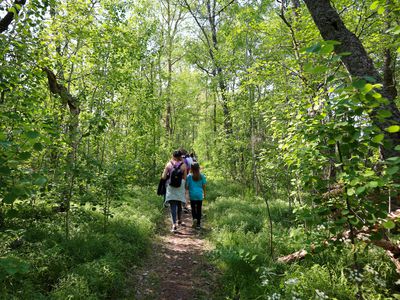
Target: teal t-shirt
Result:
[[195, 187]]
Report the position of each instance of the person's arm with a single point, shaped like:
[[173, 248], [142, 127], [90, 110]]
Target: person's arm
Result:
[[184, 169], [165, 172]]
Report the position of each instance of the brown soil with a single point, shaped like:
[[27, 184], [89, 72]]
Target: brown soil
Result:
[[177, 268]]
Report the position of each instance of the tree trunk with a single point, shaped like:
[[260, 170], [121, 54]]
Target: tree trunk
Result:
[[212, 45], [358, 64], [9, 17]]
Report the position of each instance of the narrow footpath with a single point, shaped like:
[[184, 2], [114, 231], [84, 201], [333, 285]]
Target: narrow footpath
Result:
[[177, 267]]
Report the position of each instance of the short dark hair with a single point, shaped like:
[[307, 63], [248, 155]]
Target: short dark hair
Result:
[[177, 154]]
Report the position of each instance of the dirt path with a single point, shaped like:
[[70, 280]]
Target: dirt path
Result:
[[177, 268]]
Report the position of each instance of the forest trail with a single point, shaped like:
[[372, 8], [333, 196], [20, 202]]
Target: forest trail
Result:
[[176, 267]]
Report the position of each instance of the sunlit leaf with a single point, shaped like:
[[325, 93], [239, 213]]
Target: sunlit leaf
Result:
[[381, 10], [350, 191], [389, 224], [373, 184], [393, 128], [378, 138], [374, 5]]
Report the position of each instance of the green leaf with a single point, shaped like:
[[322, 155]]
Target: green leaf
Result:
[[389, 224], [4, 170], [13, 265], [381, 10], [314, 48], [24, 155], [369, 173], [369, 78], [393, 160], [351, 191], [384, 113], [373, 184], [374, 5], [328, 48], [359, 84], [319, 69], [397, 148], [367, 88], [10, 197], [13, 10], [372, 220], [354, 221], [394, 30], [308, 67], [360, 190], [378, 138], [40, 181], [32, 134], [38, 147], [392, 170], [393, 128]]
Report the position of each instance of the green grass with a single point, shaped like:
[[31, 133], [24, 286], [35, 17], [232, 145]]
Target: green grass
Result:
[[241, 234], [38, 262]]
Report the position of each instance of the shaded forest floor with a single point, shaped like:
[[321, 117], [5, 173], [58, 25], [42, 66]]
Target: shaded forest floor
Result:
[[177, 267]]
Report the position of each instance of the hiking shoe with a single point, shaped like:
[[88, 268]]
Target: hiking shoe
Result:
[[174, 229], [194, 224], [198, 227], [180, 223]]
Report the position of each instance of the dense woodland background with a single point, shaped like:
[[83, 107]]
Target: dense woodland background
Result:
[[290, 106]]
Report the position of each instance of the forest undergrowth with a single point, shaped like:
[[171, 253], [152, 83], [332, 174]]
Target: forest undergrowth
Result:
[[241, 236], [38, 262]]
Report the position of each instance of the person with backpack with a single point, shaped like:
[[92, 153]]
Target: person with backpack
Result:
[[175, 175], [196, 185]]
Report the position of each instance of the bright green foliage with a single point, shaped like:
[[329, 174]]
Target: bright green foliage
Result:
[[250, 87], [242, 253]]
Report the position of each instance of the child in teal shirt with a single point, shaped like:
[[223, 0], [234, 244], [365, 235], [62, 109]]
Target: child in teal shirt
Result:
[[196, 185]]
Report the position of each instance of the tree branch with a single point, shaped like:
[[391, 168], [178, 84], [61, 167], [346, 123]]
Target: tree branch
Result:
[[62, 91], [225, 7], [9, 17], [392, 249]]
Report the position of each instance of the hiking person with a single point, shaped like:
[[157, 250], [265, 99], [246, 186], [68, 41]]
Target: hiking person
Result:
[[175, 174], [188, 162], [193, 157], [196, 185], [186, 159]]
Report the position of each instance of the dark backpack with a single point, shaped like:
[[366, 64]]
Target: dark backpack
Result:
[[176, 176]]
